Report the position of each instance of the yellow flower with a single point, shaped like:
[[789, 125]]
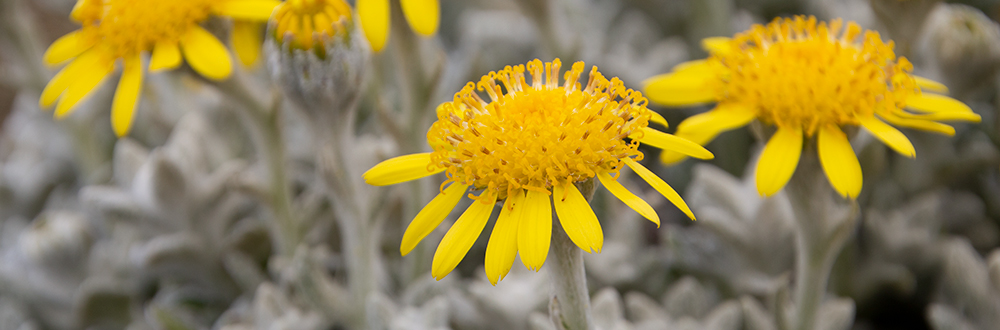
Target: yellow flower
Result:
[[806, 79], [125, 29], [308, 23], [423, 16], [532, 139]]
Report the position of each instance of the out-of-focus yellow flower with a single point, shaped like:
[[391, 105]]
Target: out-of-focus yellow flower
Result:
[[806, 79], [115, 30], [423, 16], [532, 140]]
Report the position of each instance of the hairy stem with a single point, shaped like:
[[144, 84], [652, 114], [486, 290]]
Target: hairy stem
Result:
[[264, 125], [570, 309], [572, 298], [823, 225], [354, 212]]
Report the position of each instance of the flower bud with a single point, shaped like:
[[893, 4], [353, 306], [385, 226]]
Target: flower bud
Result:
[[316, 53], [966, 46]]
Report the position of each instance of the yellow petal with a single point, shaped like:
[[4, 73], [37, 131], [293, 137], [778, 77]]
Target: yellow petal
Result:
[[679, 89], [67, 47], [77, 13], [206, 54], [460, 237], [254, 10], [889, 135], [839, 161], [374, 17], [717, 45], [166, 56], [704, 127], [577, 218], [534, 232], [247, 40], [724, 117], [968, 116], [82, 83], [431, 216], [670, 142], [661, 186], [423, 15], [655, 117], [127, 96], [55, 88], [935, 103], [924, 125], [778, 160], [502, 247], [693, 67], [400, 169], [627, 197], [930, 85]]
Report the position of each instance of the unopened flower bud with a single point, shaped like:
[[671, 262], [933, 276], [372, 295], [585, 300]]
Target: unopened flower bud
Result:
[[316, 53], [966, 46]]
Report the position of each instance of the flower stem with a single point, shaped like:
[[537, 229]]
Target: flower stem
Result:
[[360, 227], [570, 308], [823, 225], [572, 301], [812, 273], [264, 125]]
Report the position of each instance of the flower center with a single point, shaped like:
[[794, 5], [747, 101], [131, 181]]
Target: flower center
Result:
[[310, 22], [538, 134], [130, 26], [796, 72]]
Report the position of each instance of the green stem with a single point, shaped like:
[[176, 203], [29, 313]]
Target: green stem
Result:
[[571, 305], [359, 230], [264, 124], [572, 300], [823, 226], [812, 273]]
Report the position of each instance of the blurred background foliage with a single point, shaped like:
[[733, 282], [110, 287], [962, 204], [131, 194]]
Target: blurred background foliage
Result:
[[168, 228]]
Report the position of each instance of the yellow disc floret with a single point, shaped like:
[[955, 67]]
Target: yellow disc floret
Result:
[[127, 27], [534, 135], [307, 23], [806, 79], [125, 31], [797, 72]]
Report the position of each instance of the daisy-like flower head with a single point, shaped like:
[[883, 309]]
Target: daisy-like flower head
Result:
[[115, 30], [423, 16], [307, 24], [807, 79], [527, 146]]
